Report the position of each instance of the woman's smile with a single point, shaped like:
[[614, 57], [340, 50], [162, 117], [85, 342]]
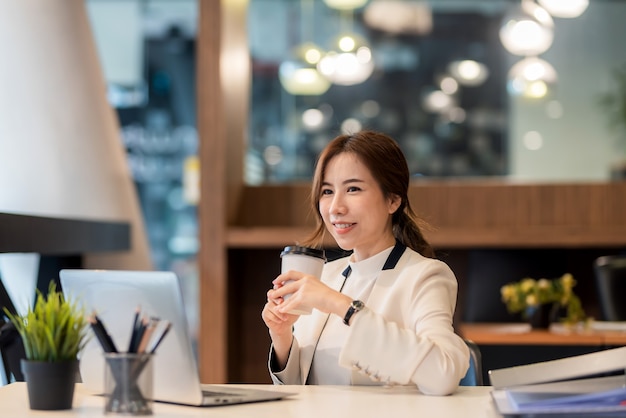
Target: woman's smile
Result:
[[343, 228]]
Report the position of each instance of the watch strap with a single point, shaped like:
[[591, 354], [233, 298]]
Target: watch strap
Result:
[[355, 307]]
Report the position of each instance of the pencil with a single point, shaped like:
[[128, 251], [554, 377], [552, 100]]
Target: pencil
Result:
[[101, 333], [158, 340], [133, 336], [106, 334], [142, 330], [145, 338]]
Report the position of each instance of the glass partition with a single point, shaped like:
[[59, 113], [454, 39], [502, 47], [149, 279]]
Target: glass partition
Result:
[[437, 76], [147, 52]]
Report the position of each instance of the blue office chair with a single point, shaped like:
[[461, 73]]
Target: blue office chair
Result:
[[474, 375]]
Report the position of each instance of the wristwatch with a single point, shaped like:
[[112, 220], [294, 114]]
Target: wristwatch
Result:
[[355, 307]]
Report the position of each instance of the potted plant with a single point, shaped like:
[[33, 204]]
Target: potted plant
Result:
[[53, 333], [540, 301], [614, 104]]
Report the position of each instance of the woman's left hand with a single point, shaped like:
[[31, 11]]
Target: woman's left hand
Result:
[[307, 292]]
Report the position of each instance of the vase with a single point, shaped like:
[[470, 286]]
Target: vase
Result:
[[50, 384], [540, 316], [618, 170]]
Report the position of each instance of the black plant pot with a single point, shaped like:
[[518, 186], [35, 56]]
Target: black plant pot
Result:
[[541, 316], [50, 385]]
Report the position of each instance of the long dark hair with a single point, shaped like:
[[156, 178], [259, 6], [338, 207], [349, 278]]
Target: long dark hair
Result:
[[385, 160]]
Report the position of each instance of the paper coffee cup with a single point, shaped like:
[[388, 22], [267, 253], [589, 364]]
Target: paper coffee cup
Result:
[[303, 259]]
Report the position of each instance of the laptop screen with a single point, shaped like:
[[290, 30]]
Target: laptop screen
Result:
[[115, 295]]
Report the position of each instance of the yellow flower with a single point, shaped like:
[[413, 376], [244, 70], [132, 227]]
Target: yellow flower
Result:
[[531, 300], [507, 292], [543, 283], [568, 282], [527, 284]]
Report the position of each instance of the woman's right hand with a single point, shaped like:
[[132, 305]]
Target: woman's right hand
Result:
[[280, 327], [279, 323]]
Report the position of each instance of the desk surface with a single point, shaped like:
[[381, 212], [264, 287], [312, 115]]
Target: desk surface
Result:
[[310, 401], [522, 334]]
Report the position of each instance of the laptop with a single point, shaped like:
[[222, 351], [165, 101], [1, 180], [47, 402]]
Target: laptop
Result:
[[115, 296]]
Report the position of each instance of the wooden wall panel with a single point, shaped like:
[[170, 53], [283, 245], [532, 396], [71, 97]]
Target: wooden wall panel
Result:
[[461, 214], [212, 257], [275, 205]]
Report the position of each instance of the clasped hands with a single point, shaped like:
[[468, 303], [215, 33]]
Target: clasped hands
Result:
[[303, 291], [306, 292]]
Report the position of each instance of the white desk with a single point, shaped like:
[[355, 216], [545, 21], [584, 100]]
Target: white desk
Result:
[[310, 401]]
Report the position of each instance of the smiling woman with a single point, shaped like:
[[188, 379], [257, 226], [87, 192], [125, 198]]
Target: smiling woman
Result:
[[388, 290]]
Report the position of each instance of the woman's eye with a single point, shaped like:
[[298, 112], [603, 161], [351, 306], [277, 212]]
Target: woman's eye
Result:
[[353, 189], [326, 191]]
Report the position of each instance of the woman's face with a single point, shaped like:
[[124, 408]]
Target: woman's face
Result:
[[354, 209]]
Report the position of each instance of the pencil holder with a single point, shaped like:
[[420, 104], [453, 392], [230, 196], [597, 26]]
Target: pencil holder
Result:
[[128, 383]]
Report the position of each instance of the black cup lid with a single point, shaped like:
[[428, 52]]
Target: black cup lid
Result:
[[311, 252]]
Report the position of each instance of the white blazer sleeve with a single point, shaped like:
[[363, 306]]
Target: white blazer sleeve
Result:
[[290, 375], [407, 337]]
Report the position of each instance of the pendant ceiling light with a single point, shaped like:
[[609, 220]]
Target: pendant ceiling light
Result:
[[399, 16], [527, 30], [532, 78], [345, 4], [436, 101], [62, 155], [565, 8], [299, 75], [469, 72], [350, 62]]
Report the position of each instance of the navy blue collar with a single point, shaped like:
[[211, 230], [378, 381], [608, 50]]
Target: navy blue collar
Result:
[[395, 255], [391, 261]]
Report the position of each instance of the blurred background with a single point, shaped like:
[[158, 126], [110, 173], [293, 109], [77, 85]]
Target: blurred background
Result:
[[469, 88]]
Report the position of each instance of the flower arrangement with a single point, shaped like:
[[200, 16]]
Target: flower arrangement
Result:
[[530, 293]]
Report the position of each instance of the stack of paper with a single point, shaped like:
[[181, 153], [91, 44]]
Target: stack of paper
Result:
[[523, 391]]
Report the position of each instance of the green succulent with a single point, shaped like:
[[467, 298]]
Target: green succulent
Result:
[[54, 329]]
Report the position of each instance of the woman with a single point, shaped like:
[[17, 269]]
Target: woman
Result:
[[383, 315]]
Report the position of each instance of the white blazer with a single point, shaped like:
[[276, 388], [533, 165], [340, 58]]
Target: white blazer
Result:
[[403, 336]]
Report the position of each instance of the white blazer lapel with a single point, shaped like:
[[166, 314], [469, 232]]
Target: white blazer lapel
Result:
[[313, 329], [380, 290], [309, 328], [386, 278]]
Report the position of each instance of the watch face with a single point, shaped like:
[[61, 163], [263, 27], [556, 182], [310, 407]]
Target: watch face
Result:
[[358, 305]]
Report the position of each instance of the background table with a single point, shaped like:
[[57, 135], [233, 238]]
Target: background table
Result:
[[310, 401], [514, 344], [522, 334]]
